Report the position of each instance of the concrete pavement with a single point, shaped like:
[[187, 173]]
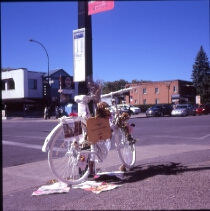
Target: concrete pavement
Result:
[[36, 174], [154, 183]]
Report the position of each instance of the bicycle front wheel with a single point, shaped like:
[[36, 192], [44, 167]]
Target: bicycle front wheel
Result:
[[68, 165], [126, 151]]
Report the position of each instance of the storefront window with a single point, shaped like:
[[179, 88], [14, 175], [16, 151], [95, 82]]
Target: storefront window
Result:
[[10, 84], [2, 85]]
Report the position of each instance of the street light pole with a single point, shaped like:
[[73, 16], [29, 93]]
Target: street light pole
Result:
[[48, 99]]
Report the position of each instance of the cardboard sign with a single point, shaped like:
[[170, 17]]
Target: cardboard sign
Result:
[[98, 129]]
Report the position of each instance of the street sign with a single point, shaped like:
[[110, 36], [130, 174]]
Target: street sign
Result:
[[99, 6], [79, 54]]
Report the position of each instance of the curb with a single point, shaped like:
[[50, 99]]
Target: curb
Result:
[[141, 115]]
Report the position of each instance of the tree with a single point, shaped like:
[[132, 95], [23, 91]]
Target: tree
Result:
[[201, 76], [135, 81], [113, 86]]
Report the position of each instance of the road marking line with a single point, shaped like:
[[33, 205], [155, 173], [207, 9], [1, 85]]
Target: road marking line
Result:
[[199, 138], [204, 136], [24, 136], [32, 146], [22, 145]]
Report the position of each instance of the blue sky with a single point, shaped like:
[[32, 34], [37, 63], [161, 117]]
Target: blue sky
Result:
[[142, 40]]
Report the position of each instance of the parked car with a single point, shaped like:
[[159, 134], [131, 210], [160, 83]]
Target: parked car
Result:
[[124, 109], [184, 110], [199, 110], [133, 109], [112, 109], [206, 108], [159, 110], [73, 114]]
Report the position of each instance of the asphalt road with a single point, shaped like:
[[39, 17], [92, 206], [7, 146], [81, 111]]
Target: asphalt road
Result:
[[172, 168]]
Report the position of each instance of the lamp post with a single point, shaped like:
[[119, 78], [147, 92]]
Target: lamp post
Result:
[[48, 99]]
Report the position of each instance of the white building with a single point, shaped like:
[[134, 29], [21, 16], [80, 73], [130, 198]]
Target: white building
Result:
[[21, 84], [26, 92], [21, 90]]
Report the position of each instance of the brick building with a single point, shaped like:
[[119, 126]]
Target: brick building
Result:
[[160, 92]]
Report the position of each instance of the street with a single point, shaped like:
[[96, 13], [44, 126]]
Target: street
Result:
[[172, 168]]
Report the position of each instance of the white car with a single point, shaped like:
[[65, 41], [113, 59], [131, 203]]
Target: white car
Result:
[[133, 109], [183, 110]]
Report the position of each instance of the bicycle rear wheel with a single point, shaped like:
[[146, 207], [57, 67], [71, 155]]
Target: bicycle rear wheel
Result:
[[126, 151], [69, 165]]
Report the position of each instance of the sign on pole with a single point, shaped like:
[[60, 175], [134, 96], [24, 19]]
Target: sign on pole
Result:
[[99, 6], [79, 54]]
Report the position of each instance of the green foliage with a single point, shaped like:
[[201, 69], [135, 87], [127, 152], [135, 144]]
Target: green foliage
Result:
[[134, 81], [117, 85], [201, 76], [113, 86]]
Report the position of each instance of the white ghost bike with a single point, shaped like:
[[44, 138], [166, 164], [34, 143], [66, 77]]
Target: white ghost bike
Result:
[[70, 156]]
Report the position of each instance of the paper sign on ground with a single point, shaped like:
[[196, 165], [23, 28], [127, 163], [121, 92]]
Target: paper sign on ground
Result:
[[96, 187], [57, 187]]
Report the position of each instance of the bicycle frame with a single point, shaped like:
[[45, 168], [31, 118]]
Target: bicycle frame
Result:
[[84, 112], [71, 155]]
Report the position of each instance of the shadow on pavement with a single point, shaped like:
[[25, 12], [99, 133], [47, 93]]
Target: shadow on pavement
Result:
[[139, 173]]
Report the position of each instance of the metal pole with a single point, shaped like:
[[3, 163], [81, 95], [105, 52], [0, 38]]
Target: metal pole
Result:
[[48, 99], [84, 21]]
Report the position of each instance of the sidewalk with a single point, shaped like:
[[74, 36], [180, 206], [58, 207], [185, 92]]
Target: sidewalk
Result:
[[141, 115], [166, 177], [35, 174]]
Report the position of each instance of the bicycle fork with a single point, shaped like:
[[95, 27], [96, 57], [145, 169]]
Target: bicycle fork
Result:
[[93, 153]]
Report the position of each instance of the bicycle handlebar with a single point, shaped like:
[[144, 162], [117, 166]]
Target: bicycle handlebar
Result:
[[87, 98], [121, 91]]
